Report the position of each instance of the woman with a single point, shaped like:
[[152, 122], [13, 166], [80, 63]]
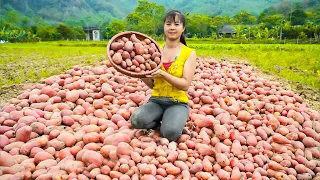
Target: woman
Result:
[[168, 105]]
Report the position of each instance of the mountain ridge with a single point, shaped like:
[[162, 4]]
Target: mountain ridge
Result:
[[101, 12]]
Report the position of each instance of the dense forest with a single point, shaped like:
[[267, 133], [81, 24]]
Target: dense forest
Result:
[[34, 20]]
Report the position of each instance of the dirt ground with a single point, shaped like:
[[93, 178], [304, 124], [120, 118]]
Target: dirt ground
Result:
[[310, 95]]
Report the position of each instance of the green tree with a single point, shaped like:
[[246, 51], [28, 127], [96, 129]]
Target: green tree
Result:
[[78, 32], [25, 22], [115, 27], [200, 25], [244, 17], [65, 31], [273, 20], [11, 17], [298, 17], [313, 15], [262, 17], [48, 33], [38, 21], [146, 18]]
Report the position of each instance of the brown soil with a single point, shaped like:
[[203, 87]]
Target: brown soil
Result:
[[310, 95]]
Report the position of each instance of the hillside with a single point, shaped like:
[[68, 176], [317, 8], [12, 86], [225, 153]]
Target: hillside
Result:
[[221, 7], [101, 12], [89, 12]]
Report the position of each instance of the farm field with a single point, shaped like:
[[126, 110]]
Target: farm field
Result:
[[31, 62], [72, 117]]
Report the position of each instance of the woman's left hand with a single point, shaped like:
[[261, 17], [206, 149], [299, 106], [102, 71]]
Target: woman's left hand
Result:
[[158, 74]]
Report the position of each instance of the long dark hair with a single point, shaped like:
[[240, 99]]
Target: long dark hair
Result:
[[172, 16]]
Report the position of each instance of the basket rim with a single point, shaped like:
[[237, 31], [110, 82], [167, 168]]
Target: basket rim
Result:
[[124, 71]]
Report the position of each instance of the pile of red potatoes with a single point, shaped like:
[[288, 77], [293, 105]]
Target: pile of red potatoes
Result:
[[135, 55], [76, 126]]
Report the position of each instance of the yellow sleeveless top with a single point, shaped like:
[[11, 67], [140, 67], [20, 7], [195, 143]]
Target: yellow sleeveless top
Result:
[[161, 88]]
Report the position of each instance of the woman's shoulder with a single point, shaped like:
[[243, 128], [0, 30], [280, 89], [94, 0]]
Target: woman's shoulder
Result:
[[187, 51]]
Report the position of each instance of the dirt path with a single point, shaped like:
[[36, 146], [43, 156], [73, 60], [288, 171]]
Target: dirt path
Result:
[[310, 95]]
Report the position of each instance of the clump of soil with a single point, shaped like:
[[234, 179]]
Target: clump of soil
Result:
[[8, 92]]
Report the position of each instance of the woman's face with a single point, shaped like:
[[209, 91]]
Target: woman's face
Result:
[[173, 29]]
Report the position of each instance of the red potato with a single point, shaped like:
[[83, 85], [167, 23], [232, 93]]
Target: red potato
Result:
[[278, 138], [305, 176], [222, 160], [184, 166], [207, 165], [202, 120], [148, 66], [310, 142], [4, 140], [68, 139], [311, 133], [117, 58], [38, 127], [116, 46], [172, 156], [221, 132], [173, 170], [275, 166], [106, 149], [146, 56], [236, 148], [23, 134], [155, 54], [123, 148], [123, 64], [115, 139], [134, 39], [139, 59], [157, 60], [135, 63], [138, 48], [244, 116], [92, 137], [129, 62], [223, 175], [153, 64], [92, 158], [197, 167], [7, 159], [235, 174], [147, 41], [27, 147], [4, 129], [58, 145], [129, 46], [148, 151], [46, 164], [41, 156], [64, 153]]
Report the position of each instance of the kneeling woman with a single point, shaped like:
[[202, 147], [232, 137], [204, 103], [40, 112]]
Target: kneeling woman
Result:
[[168, 105]]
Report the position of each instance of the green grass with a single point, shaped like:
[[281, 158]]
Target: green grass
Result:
[[30, 62], [22, 63]]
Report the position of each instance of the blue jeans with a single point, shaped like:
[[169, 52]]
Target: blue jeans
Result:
[[161, 111]]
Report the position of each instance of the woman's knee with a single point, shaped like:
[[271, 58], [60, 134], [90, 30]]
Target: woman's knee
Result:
[[172, 134], [136, 119]]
